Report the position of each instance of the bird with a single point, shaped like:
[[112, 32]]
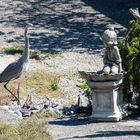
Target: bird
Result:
[[17, 68]]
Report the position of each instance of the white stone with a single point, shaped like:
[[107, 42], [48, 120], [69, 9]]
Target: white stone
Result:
[[107, 101]]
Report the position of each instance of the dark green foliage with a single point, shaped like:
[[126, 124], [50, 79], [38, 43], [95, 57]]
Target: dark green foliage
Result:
[[130, 53]]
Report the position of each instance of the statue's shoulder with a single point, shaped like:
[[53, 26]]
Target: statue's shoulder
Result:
[[115, 48]]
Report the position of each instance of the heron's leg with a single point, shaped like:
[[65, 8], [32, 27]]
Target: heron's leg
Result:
[[25, 105], [5, 86], [18, 93]]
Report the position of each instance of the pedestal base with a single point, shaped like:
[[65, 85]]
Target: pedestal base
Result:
[[107, 101], [105, 116]]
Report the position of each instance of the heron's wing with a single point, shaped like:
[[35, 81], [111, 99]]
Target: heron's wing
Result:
[[12, 71]]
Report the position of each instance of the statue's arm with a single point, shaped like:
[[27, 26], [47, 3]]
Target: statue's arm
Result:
[[118, 58], [105, 57], [135, 13]]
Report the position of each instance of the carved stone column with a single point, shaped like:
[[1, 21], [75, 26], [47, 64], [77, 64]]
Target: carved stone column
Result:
[[107, 101], [107, 97]]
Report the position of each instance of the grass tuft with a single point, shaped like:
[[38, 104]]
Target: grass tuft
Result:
[[33, 130], [16, 48], [28, 130], [34, 54], [43, 114]]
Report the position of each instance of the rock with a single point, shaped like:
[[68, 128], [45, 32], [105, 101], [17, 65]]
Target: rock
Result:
[[34, 110], [14, 107], [26, 113], [10, 116], [56, 108], [113, 126], [18, 113], [4, 107], [68, 111], [83, 101]]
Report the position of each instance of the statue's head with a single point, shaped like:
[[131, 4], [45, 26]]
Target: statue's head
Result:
[[109, 36]]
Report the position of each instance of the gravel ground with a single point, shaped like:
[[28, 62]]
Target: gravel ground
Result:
[[59, 25], [83, 129], [72, 28]]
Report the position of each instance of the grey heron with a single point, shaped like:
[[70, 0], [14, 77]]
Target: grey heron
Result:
[[16, 69]]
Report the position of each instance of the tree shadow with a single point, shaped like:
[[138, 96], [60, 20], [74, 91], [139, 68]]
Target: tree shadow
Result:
[[117, 10], [59, 25], [70, 122], [104, 134]]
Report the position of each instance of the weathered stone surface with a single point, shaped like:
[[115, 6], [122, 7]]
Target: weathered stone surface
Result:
[[107, 101], [95, 76]]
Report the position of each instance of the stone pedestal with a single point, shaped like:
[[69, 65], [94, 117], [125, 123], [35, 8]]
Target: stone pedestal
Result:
[[107, 101]]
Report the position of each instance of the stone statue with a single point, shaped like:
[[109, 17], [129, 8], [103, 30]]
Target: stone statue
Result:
[[112, 59], [112, 69], [106, 85]]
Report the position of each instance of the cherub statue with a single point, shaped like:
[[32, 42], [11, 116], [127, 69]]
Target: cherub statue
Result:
[[112, 60]]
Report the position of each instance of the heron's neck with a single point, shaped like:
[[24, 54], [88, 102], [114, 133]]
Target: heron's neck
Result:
[[25, 55]]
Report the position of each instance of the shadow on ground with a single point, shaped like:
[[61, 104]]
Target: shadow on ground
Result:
[[103, 134], [65, 25], [96, 129], [70, 122], [117, 10], [85, 120]]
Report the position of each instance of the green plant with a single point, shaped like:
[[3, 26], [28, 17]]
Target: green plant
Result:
[[130, 53], [54, 87], [15, 48], [87, 89]]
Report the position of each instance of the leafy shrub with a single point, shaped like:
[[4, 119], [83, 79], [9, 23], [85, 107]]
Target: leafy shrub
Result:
[[130, 53]]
